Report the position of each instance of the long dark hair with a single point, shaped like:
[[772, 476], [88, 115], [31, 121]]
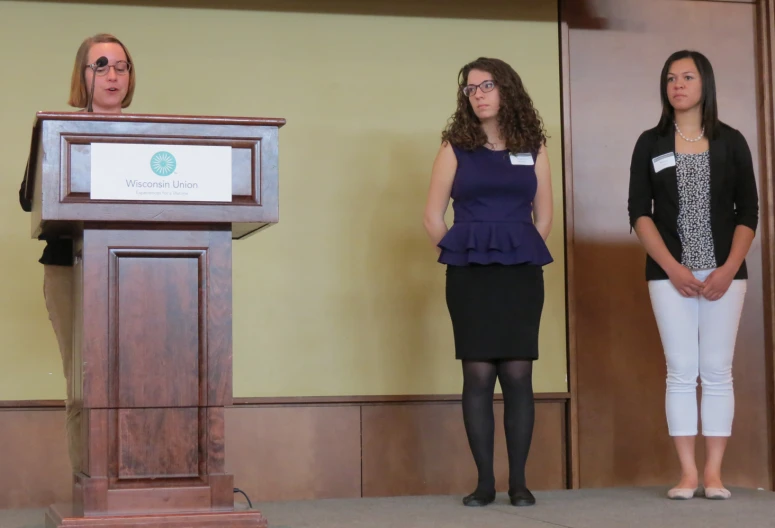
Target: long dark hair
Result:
[[708, 98], [518, 120]]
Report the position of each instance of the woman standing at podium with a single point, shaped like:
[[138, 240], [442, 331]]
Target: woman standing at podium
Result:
[[114, 85], [494, 165]]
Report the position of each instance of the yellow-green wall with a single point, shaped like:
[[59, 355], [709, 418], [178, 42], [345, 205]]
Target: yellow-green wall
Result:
[[343, 296]]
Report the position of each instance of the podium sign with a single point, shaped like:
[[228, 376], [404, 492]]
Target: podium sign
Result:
[[177, 173]]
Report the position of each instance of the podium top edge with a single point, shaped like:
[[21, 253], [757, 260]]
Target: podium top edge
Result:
[[160, 118]]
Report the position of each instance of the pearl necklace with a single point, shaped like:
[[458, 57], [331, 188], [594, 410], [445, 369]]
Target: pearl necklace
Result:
[[702, 133]]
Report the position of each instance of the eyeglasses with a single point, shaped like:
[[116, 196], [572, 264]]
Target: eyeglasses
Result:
[[486, 86], [121, 68]]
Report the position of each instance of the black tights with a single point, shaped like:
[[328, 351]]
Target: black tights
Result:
[[516, 378]]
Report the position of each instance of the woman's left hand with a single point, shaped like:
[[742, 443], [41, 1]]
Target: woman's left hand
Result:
[[717, 283]]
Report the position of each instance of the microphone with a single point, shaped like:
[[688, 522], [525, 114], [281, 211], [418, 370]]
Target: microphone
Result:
[[99, 63]]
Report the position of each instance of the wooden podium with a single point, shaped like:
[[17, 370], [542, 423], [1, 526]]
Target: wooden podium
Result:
[[152, 366]]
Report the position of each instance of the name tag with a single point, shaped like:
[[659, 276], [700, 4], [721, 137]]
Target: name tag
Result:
[[664, 161], [523, 158]]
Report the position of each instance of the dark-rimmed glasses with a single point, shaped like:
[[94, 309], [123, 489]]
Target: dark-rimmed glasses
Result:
[[485, 86], [121, 68]]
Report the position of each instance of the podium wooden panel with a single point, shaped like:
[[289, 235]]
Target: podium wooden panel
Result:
[[152, 326]]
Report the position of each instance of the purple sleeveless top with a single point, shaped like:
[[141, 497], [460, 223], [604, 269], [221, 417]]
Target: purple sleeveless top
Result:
[[493, 205]]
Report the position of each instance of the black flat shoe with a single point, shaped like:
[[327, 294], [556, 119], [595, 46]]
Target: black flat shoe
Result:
[[479, 498], [521, 497]]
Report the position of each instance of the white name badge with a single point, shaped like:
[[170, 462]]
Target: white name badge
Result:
[[523, 158], [173, 173], [664, 161]]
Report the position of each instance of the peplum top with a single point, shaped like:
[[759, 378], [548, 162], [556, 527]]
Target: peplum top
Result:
[[492, 197]]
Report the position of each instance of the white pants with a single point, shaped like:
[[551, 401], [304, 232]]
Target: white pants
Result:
[[698, 336]]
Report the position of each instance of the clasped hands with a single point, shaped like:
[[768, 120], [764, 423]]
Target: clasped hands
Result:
[[713, 288]]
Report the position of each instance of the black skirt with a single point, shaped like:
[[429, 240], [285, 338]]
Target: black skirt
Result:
[[495, 310]]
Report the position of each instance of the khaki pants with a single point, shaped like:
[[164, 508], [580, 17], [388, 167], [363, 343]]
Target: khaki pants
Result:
[[58, 292]]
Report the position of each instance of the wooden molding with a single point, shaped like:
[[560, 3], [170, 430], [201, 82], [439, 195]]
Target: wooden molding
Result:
[[492, 10], [380, 400], [573, 481], [765, 29], [289, 401], [160, 118], [32, 404]]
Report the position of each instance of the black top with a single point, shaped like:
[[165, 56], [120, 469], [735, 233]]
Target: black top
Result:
[[733, 196], [58, 251]]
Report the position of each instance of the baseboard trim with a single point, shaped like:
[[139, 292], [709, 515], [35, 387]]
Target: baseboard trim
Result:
[[32, 404], [542, 397], [378, 400]]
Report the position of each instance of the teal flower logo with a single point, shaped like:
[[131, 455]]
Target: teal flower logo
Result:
[[163, 163]]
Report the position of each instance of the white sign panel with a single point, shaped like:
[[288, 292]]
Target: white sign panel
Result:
[[177, 173]]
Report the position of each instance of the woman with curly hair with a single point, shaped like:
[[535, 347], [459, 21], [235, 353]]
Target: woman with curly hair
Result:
[[494, 165]]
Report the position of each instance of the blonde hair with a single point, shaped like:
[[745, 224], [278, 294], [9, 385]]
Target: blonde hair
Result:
[[79, 96]]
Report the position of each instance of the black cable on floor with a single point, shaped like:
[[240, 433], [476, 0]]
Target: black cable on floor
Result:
[[250, 504]]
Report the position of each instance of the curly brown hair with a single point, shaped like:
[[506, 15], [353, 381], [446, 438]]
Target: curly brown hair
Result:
[[520, 125]]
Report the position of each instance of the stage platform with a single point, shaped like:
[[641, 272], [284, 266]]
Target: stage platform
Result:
[[589, 508]]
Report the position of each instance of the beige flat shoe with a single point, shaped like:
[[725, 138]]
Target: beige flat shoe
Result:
[[684, 493], [717, 493]]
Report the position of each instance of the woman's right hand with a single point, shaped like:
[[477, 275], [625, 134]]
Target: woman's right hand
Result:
[[442, 177], [685, 281]]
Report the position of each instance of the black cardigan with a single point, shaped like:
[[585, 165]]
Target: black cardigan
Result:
[[58, 251], [733, 197]]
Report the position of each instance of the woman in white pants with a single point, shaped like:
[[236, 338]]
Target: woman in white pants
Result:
[[694, 206]]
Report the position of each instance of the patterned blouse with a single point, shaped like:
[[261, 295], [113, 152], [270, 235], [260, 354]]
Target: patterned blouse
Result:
[[693, 171]]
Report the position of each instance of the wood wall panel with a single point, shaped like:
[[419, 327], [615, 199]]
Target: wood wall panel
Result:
[[301, 451], [422, 449], [284, 453], [33, 458], [620, 367], [765, 18]]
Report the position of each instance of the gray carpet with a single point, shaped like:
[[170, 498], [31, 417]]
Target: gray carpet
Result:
[[598, 508]]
